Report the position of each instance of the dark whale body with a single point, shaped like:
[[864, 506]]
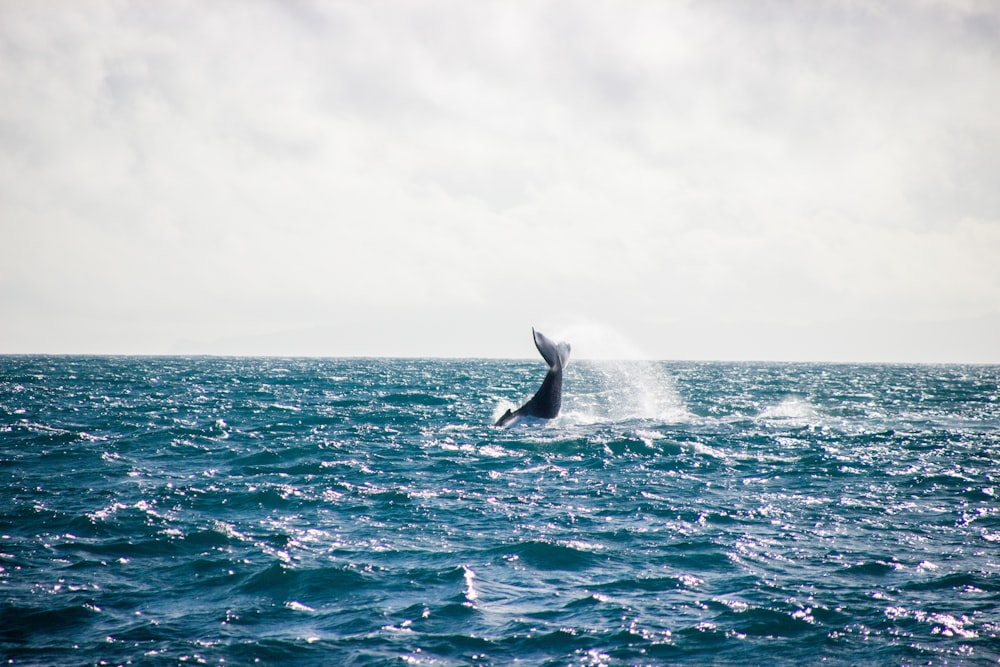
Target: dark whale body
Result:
[[547, 400]]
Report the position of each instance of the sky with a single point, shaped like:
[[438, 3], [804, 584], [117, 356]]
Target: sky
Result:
[[716, 180]]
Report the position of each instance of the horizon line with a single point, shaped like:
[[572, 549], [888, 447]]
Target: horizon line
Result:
[[412, 357]]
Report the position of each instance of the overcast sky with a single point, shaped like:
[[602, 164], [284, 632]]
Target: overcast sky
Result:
[[679, 180]]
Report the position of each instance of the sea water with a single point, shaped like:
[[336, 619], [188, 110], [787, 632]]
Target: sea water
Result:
[[236, 511]]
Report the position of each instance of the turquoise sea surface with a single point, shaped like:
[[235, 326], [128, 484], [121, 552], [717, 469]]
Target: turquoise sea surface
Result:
[[237, 511]]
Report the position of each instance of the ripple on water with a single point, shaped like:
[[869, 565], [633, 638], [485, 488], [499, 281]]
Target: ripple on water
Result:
[[323, 511]]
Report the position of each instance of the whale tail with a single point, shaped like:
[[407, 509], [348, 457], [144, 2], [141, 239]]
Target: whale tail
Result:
[[556, 355], [547, 400]]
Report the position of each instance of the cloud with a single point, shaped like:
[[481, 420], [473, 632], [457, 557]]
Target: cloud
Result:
[[199, 172]]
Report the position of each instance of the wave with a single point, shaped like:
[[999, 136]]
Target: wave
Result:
[[675, 513]]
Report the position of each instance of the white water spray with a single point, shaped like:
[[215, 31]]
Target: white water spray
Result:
[[622, 390], [612, 379]]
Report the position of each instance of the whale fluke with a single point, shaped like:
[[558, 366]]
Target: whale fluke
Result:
[[547, 401]]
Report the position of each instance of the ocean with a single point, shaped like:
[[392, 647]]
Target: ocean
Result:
[[241, 511]]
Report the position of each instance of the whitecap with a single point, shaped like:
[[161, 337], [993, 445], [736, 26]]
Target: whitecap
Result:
[[492, 451], [470, 592], [793, 409]]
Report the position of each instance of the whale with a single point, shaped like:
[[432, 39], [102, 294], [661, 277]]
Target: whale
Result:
[[547, 401]]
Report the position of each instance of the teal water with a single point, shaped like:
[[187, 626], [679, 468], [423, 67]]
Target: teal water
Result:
[[231, 511]]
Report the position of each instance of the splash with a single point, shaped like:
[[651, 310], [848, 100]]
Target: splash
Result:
[[623, 390], [615, 380]]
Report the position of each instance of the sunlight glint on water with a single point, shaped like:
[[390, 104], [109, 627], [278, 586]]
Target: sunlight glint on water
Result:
[[321, 511]]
